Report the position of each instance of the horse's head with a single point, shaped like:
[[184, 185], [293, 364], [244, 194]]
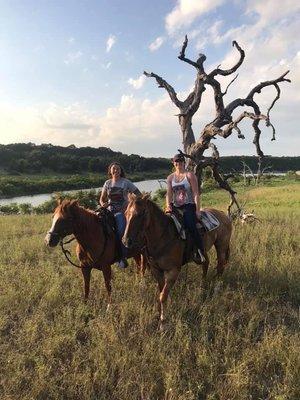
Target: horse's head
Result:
[[137, 221], [61, 222]]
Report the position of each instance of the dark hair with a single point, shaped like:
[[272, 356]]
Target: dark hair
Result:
[[122, 174], [179, 157]]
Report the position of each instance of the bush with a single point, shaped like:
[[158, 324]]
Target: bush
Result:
[[25, 208], [12, 208], [160, 195]]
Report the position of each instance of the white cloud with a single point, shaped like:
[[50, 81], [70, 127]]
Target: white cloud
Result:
[[137, 83], [156, 44], [71, 40], [107, 65], [73, 57], [110, 42], [186, 11]]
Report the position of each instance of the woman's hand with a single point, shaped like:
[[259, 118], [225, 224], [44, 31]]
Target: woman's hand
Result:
[[198, 213], [168, 209]]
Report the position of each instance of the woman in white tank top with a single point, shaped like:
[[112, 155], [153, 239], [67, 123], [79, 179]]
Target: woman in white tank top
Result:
[[183, 193]]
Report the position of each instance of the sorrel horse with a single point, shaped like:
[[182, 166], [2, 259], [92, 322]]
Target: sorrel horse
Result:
[[148, 226], [97, 243]]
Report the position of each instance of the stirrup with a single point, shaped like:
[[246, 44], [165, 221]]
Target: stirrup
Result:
[[123, 263]]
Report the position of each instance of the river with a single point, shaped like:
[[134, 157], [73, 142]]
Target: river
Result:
[[37, 199]]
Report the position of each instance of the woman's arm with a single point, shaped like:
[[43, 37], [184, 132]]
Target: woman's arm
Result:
[[103, 198], [131, 188], [195, 189], [169, 194]]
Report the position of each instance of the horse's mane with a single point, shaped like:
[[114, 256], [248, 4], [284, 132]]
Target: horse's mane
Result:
[[84, 217], [150, 203], [155, 207]]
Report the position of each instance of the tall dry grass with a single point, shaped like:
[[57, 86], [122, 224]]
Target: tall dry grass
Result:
[[233, 339]]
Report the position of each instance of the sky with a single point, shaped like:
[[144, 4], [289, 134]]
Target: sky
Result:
[[71, 72]]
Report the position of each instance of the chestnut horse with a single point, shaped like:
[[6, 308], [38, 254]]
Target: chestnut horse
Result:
[[148, 226], [97, 243]]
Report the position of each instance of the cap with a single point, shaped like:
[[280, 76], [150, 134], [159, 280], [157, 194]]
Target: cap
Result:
[[178, 157]]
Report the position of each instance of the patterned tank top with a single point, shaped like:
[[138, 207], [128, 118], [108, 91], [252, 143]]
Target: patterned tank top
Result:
[[182, 192]]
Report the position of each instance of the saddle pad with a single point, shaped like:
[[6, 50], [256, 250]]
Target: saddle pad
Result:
[[179, 227], [209, 221]]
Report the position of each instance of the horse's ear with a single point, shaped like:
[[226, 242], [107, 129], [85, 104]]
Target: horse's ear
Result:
[[132, 196], [74, 203], [146, 196], [59, 201]]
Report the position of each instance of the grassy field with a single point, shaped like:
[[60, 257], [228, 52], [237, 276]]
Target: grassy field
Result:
[[237, 339]]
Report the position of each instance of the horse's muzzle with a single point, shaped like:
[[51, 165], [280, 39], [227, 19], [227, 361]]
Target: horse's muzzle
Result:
[[51, 240]]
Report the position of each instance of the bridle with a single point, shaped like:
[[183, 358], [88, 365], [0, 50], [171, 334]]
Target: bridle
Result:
[[66, 252]]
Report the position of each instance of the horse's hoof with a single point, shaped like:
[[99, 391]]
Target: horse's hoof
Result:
[[162, 326]]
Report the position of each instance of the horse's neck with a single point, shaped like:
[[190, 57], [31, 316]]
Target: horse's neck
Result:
[[160, 225], [86, 227]]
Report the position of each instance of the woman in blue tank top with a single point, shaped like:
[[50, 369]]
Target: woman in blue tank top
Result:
[[183, 193]]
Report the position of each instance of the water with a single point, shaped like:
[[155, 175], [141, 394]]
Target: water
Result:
[[37, 199]]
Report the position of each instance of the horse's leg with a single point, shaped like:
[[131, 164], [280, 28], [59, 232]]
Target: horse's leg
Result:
[[107, 279], [222, 251], [86, 273], [140, 263], [143, 264], [205, 266], [170, 279], [159, 277]]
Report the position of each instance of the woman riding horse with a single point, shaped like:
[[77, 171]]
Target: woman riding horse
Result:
[[114, 196], [183, 194]]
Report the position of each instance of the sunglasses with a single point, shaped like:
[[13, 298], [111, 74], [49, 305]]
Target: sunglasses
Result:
[[178, 161]]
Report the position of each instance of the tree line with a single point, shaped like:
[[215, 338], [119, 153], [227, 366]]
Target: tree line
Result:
[[28, 158]]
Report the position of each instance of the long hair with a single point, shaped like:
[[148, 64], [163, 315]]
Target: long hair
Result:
[[122, 174]]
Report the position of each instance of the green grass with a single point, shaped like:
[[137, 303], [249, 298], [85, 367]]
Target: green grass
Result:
[[237, 339]]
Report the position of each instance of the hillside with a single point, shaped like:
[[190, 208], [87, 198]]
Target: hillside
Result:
[[28, 158]]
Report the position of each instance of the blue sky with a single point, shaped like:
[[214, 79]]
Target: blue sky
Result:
[[71, 72]]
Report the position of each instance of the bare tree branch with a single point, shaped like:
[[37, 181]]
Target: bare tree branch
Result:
[[234, 124], [259, 87], [198, 64], [223, 94], [274, 101], [225, 72], [184, 45], [164, 84]]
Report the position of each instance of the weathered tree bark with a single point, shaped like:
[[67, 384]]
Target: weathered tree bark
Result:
[[223, 123]]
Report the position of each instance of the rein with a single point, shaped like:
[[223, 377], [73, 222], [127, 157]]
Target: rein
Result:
[[67, 253]]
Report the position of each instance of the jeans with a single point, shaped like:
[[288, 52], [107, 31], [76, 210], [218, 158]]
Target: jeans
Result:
[[189, 221], [121, 225]]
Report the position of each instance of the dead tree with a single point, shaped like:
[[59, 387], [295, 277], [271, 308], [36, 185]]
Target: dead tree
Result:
[[223, 123]]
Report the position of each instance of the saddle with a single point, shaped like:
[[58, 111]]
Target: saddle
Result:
[[108, 222], [206, 223]]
